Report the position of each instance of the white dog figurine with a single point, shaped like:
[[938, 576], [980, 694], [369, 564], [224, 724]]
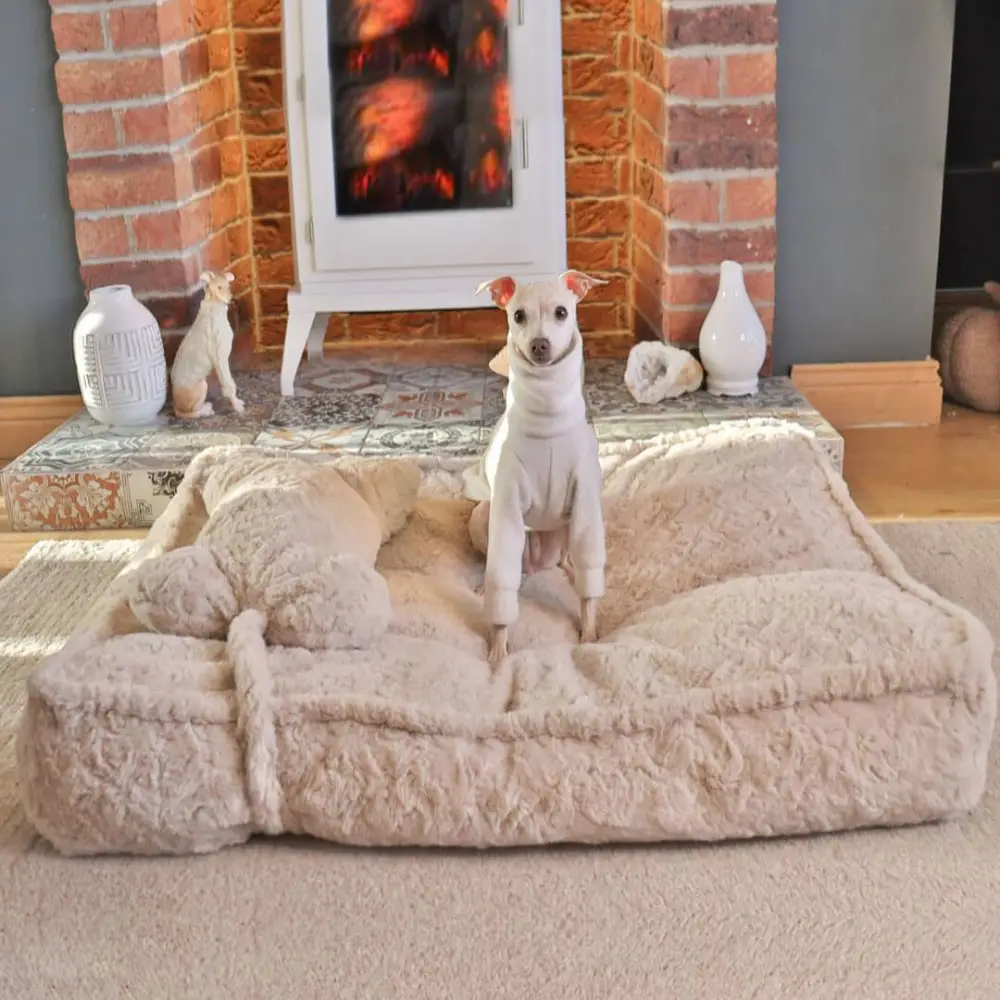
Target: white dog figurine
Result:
[[541, 464], [206, 348]]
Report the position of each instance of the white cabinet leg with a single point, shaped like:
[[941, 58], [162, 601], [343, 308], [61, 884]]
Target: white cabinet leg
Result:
[[297, 333], [317, 334]]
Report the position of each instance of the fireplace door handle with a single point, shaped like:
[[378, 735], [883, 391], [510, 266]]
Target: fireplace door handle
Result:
[[523, 124], [520, 12]]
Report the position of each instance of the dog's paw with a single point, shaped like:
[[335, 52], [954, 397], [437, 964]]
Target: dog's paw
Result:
[[205, 410], [238, 406], [498, 645]]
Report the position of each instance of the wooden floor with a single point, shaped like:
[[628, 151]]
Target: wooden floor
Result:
[[950, 470]]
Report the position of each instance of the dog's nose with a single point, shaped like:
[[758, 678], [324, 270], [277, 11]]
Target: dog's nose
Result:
[[540, 349]]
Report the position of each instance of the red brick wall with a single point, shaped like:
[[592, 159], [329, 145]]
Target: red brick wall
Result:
[[705, 159], [156, 174], [257, 46], [671, 155], [597, 97]]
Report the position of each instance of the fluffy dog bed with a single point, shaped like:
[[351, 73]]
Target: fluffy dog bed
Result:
[[766, 667]]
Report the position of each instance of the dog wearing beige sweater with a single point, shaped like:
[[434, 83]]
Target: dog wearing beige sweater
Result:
[[543, 477]]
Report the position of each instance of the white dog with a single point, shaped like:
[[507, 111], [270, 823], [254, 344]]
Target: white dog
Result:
[[206, 348], [541, 465]]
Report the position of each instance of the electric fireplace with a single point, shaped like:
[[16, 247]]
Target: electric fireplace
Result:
[[426, 142]]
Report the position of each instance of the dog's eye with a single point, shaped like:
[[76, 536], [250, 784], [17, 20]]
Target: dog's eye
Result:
[[520, 316], [561, 312]]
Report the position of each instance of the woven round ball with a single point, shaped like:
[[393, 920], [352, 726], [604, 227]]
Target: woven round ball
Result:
[[968, 351]]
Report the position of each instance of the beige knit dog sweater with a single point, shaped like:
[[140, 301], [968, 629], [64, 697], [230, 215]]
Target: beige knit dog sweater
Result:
[[543, 473]]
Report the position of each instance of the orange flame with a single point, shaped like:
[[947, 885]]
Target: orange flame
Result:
[[490, 174], [440, 181], [392, 117], [383, 17], [358, 58], [434, 58], [485, 50], [500, 106], [499, 8], [362, 182]]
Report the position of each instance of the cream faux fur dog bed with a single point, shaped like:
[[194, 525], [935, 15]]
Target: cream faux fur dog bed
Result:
[[766, 667]]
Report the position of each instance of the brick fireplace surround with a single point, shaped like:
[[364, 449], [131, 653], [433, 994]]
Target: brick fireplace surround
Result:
[[178, 162]]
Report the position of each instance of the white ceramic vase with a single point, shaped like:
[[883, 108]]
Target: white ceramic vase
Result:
[[119, 358], [732, 343]]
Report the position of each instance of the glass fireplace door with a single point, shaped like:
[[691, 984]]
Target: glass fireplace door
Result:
[[421, 122], [421, 105]]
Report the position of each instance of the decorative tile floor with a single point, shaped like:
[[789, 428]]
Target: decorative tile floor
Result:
[[86, 475]]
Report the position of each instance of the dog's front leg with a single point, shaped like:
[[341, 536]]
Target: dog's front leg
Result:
[[588, 619], [587, 551], [504, 556]]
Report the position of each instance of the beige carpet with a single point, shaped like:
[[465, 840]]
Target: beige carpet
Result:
[[884, 914]]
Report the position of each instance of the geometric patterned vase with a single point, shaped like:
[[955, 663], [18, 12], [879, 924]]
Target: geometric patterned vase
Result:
[[119, 358]]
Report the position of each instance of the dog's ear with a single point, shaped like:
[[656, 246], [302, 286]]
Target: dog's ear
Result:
[[502, 290], [579, 283], [499, 365], [229, 276], [206, 277]]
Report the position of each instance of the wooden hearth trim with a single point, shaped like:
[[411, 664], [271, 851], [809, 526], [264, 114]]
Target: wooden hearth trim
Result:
[[25, 420], [873, 394]]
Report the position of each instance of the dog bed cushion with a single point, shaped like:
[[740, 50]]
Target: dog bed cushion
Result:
[[765, 667]]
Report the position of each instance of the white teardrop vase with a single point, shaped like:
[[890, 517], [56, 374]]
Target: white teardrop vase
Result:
[[732, 343], [120, 363]]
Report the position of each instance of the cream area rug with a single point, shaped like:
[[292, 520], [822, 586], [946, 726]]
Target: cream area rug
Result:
[[886, 915]]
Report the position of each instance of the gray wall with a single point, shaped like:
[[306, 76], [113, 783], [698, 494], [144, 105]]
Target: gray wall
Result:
[[40, 290], [862, 118]]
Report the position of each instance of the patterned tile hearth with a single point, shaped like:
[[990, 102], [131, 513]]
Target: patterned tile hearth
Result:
[[85, 475]]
